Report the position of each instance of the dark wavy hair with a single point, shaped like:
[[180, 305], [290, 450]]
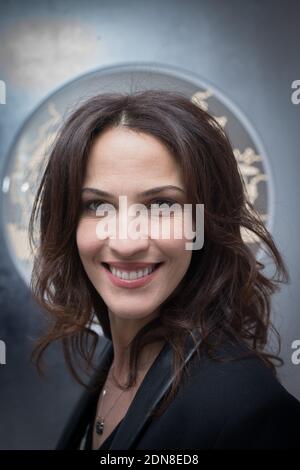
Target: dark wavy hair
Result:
[[224, 291]]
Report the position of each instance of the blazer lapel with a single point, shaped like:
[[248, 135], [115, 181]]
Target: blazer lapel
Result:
[[77, 423], [154, 385]]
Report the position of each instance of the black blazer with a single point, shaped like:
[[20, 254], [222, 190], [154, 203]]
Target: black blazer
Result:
[[237, 404]]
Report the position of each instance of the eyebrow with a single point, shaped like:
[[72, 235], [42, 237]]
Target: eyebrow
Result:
[[148, 192]]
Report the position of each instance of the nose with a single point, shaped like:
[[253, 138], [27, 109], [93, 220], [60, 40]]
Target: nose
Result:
[[127, 235], [127, 247]]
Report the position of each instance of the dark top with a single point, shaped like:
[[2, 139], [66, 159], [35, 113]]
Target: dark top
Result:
[[220, 405], [89, 436], [88, 445]]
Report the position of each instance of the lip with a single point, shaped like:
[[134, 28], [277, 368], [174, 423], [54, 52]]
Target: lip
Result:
[[130, 266], [132, 284]]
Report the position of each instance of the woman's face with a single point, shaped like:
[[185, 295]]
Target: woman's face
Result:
[[124, 162]]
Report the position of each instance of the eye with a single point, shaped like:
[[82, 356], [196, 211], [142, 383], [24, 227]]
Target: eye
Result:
[[163, 210], [92, 206]]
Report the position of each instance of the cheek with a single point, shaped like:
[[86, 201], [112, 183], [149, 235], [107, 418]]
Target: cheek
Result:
[[87, 241], [177, 227], [176, 253], [174, 238]]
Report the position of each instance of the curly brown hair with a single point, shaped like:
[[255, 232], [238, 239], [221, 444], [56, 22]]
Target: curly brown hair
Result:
[[224, 291]]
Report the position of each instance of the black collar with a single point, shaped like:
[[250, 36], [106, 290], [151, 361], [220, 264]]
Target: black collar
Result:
[[155, 384]]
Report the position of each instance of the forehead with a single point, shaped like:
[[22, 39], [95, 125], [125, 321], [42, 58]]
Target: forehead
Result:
[[123, 156]]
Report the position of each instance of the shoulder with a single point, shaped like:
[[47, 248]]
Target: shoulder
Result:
[[236, 368], [243, 398]]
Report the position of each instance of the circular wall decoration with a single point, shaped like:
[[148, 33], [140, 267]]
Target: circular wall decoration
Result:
[[26, 159]]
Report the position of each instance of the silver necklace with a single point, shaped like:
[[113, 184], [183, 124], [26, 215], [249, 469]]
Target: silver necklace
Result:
[[100, 420]]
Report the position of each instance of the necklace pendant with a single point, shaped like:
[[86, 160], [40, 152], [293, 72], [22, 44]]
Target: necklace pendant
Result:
[[99, 426]]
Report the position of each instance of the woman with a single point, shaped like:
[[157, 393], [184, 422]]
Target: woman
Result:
[[182, 361]]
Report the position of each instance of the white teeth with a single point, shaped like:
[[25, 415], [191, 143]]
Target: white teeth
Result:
[[132, 275]]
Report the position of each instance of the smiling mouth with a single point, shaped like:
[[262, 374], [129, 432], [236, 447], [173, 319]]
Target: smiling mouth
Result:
[[131, 274]]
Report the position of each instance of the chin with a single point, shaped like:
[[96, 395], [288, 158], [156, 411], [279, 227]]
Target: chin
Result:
[[131, 312]]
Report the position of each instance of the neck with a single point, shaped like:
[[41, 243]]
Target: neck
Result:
[[123, 331]]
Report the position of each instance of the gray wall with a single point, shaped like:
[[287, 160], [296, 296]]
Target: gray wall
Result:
[[248, 49]]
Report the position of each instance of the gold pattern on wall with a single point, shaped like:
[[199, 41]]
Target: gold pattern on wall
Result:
[[246, 159], [30, 164]]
